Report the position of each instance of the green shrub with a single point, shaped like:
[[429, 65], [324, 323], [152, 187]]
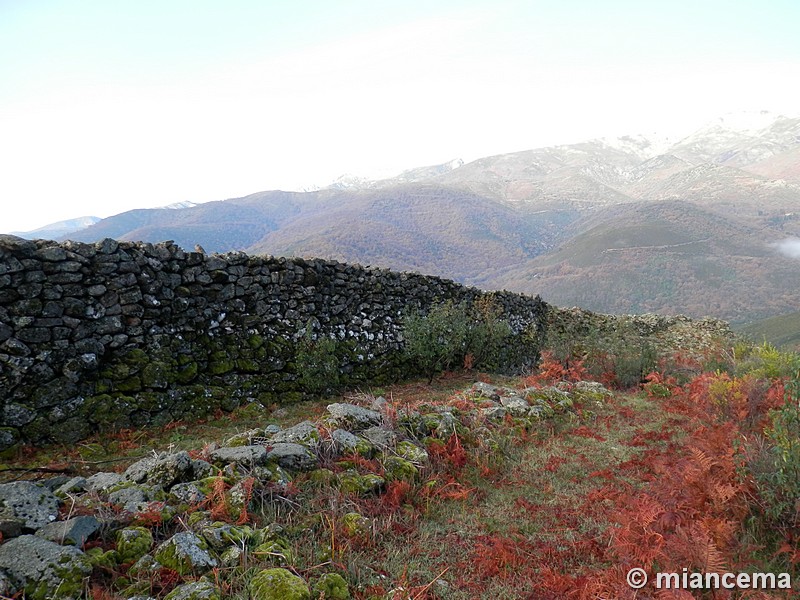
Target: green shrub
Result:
[[437, 340], [317, 363], [767, 362], [488, 336], [622, 356], [778, 475]]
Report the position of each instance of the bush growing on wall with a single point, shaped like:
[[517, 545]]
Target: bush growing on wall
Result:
[[621, 358], [437, 340], [317, 363], [489, 337], [451, 335]]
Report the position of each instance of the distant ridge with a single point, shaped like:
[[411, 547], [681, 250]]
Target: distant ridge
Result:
[[58, 229]]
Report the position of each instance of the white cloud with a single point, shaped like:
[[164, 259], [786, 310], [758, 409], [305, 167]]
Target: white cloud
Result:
[[789, 247]]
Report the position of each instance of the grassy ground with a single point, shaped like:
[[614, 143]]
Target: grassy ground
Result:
[[557, 509], [524, 516]]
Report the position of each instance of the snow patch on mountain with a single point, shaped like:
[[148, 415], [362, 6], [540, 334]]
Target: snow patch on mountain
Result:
[[180, 205], [58, 229]]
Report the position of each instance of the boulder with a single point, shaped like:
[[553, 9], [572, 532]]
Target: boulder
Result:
[[131, 499], [515, 405], [246, 456], [72, 532], [197, 590], [101, 482], [303, 433], [485, 390], [43, 569], [133, 543], [32, 505], [412, 452], [353, 417], [164, 470], [185, 553], [380, 437], [332, 586], [292, 456], [189, 492], [76, 485], [278, 584], [344, 441]]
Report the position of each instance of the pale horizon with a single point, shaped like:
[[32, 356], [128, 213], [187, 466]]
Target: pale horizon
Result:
[[108, 108]]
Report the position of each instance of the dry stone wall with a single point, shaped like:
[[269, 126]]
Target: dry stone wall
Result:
[[122, 334]]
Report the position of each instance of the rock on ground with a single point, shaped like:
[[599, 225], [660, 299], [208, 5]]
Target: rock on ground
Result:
[[73, 532], [185, 553], [43, 569], [353, 417], [163, 470], [292, 456], [32, 505]]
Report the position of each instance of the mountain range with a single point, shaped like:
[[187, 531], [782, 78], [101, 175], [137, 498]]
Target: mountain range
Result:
[[632, 224]]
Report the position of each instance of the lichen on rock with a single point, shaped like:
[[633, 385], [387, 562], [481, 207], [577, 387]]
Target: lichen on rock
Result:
[[185, 553], [43, 569]]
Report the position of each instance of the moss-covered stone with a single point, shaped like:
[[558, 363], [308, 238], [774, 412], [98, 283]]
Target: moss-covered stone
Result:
[[131, 384], [198, 516], [220, 535], [44, 570], [400, 469], [331, 586], [244, 438], [133, 543], [255, 341], [144, 567], [136, 358], [352, 482], [540, 410], [275, 549], [411, 452], [354, 524], [220, 363], [185, 553], [247, 365], [187, 373], [98, 558], [320, 478], [158, 375], [364, 448], [278, 584], [196, 590], [232, 556], [291, 397]]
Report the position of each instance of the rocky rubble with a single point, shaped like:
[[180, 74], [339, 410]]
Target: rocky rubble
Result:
[[667, 333], [189, 512]]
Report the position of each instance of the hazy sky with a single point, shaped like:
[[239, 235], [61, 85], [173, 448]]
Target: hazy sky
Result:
[[109, 105]]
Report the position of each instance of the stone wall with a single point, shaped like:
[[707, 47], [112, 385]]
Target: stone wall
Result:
[[120, 334], [668, 334]]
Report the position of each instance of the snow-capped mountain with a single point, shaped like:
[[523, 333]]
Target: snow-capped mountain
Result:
[[741, 139], [58, 229]]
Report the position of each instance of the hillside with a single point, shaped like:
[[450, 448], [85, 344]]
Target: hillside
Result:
[[669, 257], [427, 228], [782, 331]]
